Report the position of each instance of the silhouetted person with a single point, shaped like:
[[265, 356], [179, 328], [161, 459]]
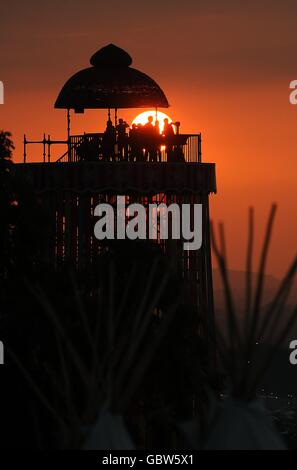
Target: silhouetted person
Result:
[[168, 134], [135, 143], [150, 140], [108, 141], [157, 127], [158, 140], [168, 129], [122, 139]]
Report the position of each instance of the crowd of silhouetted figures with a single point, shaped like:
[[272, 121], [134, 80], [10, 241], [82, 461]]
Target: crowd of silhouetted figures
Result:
[[138, 143]]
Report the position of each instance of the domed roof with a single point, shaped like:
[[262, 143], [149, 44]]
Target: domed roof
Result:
[[110, 83]]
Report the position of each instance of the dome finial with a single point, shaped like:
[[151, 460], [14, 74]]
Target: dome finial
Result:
[[111, 56]]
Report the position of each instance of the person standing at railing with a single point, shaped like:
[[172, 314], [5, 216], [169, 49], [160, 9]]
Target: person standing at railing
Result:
[[108, 142], [157, 127], [122, 139], [150, 140], [168, 134], [158, 140], [136, 152], [168, 129]]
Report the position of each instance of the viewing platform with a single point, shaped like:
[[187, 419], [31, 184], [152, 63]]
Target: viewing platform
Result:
[[89, 147], [83, 167]]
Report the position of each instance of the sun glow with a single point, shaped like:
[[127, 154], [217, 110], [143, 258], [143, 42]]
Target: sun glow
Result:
[[143, 117]]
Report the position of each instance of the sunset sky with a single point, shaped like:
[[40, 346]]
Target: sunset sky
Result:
[[224, 65]]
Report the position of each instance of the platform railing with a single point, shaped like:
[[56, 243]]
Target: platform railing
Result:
[[188, 148]]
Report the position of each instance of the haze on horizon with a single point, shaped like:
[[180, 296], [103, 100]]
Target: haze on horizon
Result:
[[224, 65]]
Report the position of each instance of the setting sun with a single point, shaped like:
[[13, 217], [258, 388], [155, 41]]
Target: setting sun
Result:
[[143, 117]]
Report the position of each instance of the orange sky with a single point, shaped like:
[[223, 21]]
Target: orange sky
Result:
[[225, 68]]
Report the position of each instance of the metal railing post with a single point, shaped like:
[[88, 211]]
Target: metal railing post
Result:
[[199, 148], [44, 150], [48, 148], [25, 148]]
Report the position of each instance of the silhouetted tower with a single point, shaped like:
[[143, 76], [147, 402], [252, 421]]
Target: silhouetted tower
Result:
[[74, 184]]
